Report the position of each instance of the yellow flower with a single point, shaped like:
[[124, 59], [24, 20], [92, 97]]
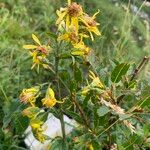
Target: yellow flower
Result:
[[49, 100], [70, 35], [36, 124], [37, 58], [90, 24], [73, 17], [38, 52], [40, 136], [29, 95], [70, 15], [80, 49]]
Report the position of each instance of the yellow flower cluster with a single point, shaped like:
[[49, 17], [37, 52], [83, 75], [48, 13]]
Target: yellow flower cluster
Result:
[[74, 25], [38, 51], [29, 96], [35, 122]]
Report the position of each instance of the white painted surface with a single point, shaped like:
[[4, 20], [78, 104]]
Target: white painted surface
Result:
[[52, 128]]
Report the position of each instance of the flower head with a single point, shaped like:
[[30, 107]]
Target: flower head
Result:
[[36, 126], [80, 49], [90, 24], [29, 95], [38, 51], [70, 35], [49, 100], [75, 10]]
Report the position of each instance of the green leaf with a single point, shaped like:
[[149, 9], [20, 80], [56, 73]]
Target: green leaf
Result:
[[132, 84], [145, 98], [103, 110], [10, 108], [72, 85], [119, 71], [74, 115], [78, 75], [52, 35], [96, 145], [58, 144], [20, 123], [42, 116]]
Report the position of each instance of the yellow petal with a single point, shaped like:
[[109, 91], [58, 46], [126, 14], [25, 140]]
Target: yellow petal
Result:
[[50, 93], [35, 38], [77, 53], [69, 2], [91, 74], [63, 37], [30, 46], [94, 16], [49, 102], [91, 36], [61, 15], [74, 22], [67, 22], [94, 30]]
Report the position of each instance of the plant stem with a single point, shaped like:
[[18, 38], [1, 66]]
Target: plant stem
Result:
[[59, 93], [80, 110], [135, 73]]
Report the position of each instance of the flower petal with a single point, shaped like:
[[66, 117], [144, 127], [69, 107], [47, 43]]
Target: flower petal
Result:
[[35, 38], [69, 2], [30, 46], [77, 53], [94, 16], [50, 93]]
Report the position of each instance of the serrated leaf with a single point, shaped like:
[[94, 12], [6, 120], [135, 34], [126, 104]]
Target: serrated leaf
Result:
[[119, 71], [103, 110]]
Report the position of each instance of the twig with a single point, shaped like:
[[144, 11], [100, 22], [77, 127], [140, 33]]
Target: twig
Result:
[[80, 110], [138, 69], [135, 73], [108, 128]]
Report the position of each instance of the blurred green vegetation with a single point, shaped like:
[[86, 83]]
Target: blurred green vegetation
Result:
[[125, 37]]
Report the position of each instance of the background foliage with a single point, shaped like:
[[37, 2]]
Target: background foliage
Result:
[[125, 38]]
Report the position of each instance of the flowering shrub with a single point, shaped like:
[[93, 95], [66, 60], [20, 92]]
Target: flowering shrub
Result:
[[104, 109]]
